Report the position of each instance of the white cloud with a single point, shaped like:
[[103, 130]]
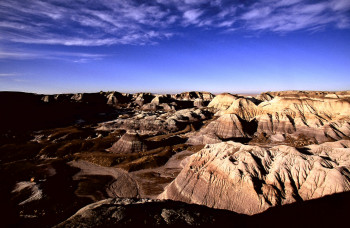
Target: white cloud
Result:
[[312, 9], [18, 54], [15, 77], [257, 13], [227, 11], [8, 74], [228, 23], [340, 5], [191, 16], [297, 16], [107, 22], [81, 23]]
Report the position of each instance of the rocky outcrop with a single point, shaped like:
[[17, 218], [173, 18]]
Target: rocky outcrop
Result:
[[116, 98], [222, 101], [287, 116], [149, 213], [202, 139], [205, 96], [322, 119], [155, 123], [160, 102], [198, 103], [327, 108], [315, 130], [165, 213], [67, 109], [150, 107], [130, 142], [250, 179], [112, 98], [304, 94], [225, 127], [167, 102], [244, 108], [28, 186], [160, 99], [265, 96], [143, 98]]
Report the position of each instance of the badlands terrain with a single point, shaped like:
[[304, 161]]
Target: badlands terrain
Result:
[[195, 158]]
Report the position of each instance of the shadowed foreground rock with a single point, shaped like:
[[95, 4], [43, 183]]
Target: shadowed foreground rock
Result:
[[150, 213], [328, 211]]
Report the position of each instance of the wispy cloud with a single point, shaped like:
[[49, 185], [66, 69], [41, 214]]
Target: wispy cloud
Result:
[[24, 54], [108, 22], [8, 74], [192, 16], [256, 13], [14, 77], [17, 55], [81, 23], [292, 15]]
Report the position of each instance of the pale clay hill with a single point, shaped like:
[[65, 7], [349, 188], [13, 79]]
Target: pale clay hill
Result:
[[244, 154], [250, 179], [317, 117]]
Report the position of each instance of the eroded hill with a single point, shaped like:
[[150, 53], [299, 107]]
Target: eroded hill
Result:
[[246, 154]]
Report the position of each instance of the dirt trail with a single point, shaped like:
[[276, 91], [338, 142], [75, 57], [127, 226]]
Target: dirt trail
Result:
[[121, 185], [146, 183], [152, 182]]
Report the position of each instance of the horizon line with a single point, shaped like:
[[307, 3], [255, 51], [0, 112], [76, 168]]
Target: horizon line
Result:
[[157, 92]]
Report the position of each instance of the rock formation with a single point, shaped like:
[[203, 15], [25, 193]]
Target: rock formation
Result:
[[262, 152], [198, 102], [303, 94], [222, 101], [244, 108], [149, 213], [130, 142], [35, 192], [165, 213], [205, 96], [225, 127], [265, 96], [155, 123], [250, 179], [159, 99], [116, 98], [202, 139], [143, 98], [281, 116]]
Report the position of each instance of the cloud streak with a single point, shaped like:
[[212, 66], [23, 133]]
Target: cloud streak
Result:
[[8, 74], [23, 54], [112, 22], [292, 15]]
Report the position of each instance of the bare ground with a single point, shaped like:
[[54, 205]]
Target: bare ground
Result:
[[146, 183], [153, 181]]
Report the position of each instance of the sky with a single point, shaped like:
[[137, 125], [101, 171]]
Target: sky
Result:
[[170, 46]]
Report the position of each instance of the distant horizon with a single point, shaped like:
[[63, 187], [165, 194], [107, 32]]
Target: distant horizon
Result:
[[167, 46], [215, 93]]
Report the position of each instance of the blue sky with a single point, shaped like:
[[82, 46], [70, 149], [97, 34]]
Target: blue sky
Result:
[[61, 46]]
